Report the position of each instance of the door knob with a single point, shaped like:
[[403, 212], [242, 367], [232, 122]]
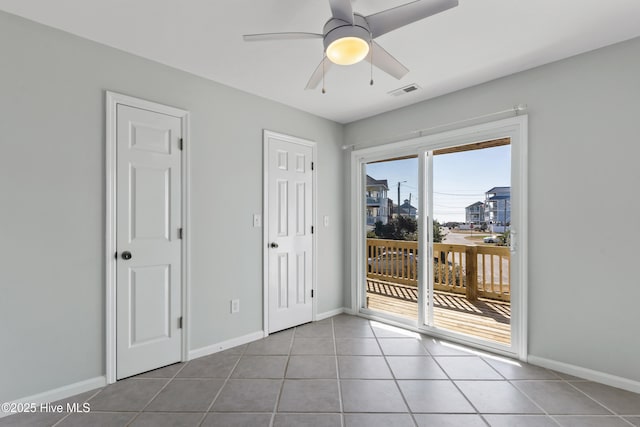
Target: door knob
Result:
[[126, 255], [274, 245]]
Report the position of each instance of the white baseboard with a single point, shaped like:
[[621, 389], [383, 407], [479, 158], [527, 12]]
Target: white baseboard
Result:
[[61, 392], [330, 313], [215, 348], [350, 311], [588, 374]]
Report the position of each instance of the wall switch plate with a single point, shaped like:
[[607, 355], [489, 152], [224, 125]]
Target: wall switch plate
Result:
[[325, 219], [235, 306], [257, 220]]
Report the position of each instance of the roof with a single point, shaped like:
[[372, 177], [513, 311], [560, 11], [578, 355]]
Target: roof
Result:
[[373, 182], [500, 197], [405, 207], [474, 204], [499, 190]]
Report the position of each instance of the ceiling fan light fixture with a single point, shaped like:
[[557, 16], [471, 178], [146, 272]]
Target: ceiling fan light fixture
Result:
[[347, 50]]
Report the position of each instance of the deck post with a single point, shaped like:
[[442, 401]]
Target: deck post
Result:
[[471, 267]]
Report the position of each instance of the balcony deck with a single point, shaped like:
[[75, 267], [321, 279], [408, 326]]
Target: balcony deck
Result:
[[485, 318]]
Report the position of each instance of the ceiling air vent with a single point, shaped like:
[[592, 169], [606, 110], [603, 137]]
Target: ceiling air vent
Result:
[[403, 90]]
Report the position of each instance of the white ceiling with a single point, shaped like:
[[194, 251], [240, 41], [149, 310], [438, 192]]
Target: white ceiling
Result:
[[480, 40]]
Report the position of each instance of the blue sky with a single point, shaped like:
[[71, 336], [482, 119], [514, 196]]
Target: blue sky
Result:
[[459, 179]]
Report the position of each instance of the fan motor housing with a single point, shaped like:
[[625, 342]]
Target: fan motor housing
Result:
[[336, 29]]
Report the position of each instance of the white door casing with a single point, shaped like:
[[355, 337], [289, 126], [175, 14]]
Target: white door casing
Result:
[[289, 246], [516, 129], [146, 277]]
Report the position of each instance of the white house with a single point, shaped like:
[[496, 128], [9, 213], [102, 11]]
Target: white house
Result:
[[377, 201], [497, 206], [474, 213]]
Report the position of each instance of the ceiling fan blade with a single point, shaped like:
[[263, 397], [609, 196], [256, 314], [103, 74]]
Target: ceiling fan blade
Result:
[[280, 36], [388, 20], [387, 63], [316, 77], [342, 9]]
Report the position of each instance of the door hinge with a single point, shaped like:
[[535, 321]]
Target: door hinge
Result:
[[181, 144], [312, 165], [312, 293], [312, 229], [180, 323], [180, 233]]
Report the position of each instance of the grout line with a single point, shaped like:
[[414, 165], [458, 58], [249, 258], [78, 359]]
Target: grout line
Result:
[[533, 401], [460, 391], [596, 400], [223, 385], [155, 395], [284, 375], [594, 416], [335, 355], [87, 400], [61, 419], [393, 376]]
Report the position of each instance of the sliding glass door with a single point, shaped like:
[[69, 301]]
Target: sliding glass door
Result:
[[437, 242]]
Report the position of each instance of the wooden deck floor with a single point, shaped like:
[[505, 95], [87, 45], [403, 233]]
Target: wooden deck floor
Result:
[[486, 319]]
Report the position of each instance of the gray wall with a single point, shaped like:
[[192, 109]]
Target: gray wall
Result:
[[583, 198], [52, 201]]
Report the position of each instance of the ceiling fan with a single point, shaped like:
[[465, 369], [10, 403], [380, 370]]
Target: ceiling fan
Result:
[[348, 37]]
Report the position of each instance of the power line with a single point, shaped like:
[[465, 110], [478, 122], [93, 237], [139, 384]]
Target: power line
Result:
[[463, 195], [452, 207]]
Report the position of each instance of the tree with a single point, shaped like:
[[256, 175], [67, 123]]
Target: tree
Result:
[[402, 228], [505, 239], [437, 234], [399, 228]]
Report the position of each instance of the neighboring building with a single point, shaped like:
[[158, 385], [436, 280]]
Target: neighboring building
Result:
[[377, 201], [497, 206], [474, 214], [406, 209]]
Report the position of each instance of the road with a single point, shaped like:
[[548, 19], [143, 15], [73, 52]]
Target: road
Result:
[[458, 238]]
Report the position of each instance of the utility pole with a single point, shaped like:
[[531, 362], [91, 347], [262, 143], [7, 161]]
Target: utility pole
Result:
[[399, 182], [504, 228]]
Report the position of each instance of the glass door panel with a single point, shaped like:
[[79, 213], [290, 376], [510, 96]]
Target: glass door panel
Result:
[[391, 248], [471, 209]]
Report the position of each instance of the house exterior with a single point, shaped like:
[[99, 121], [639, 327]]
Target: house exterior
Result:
[[497, 206], [377, 201], [406, 209], [474, 213]]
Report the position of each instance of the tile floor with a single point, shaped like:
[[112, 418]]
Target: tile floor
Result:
[[348, 371]]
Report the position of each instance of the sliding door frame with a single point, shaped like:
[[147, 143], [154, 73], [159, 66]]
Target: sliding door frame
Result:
[[515, 128]]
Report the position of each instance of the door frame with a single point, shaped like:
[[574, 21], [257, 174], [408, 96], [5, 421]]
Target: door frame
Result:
[[517, 129], [265, 221], [114, 99]]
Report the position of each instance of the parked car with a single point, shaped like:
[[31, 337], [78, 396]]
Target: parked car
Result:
[[391, 263], [491, 239]]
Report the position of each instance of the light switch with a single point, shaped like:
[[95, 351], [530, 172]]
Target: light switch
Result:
[[257, 220], [326, 220]]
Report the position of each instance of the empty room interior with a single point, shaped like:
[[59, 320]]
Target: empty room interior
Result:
[[319, 213]]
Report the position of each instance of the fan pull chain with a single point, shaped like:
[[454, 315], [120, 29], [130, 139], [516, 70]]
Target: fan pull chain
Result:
[[371, 61], [323, 58]]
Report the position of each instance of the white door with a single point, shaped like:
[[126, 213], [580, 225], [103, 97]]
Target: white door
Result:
[[290, 242], [148, 221]]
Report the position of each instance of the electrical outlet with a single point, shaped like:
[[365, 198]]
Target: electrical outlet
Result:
[[257, 220], [235, 306]]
